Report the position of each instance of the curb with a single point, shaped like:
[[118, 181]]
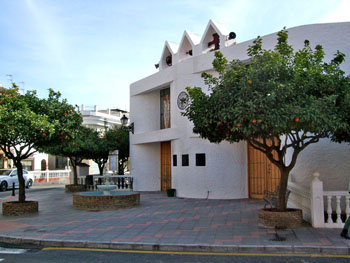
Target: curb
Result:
[[268, 249]]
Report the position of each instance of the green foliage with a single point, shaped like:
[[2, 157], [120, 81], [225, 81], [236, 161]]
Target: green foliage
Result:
[[77, 145], [99, 149], [281, 100], [27, 123], [111, 140], [118, 138], [86, 143]]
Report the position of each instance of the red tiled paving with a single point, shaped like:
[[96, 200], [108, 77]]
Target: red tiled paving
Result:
[[160, 220], [7, 225]]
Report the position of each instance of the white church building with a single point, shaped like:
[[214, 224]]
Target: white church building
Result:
[[165, 153]]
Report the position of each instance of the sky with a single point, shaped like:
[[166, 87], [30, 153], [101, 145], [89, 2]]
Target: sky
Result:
[[92, 50]]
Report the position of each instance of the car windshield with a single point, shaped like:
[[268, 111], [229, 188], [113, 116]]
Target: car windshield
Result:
[[5, 172]]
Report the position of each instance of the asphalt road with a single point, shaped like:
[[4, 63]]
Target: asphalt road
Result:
[[35, 188], [26, 254]]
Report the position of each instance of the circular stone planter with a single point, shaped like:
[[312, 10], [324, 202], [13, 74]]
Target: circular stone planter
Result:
[[282, 220], [73, 188], [15, 208], [101, 201]]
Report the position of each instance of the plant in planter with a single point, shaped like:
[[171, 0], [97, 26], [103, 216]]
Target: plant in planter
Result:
[[281, 101], [26, 124], [171, 192]]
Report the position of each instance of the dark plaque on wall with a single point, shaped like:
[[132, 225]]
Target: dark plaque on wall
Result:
[[182, 100]]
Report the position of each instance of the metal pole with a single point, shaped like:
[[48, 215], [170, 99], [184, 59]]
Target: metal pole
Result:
[[13, 189]]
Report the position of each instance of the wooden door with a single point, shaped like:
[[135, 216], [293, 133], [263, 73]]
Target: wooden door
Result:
[[263, 175], [165, 165]]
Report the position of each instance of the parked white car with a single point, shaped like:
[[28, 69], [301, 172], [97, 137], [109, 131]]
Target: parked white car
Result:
[[9, 176]]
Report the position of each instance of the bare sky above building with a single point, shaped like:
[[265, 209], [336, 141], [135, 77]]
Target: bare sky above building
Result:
[[92, 50]]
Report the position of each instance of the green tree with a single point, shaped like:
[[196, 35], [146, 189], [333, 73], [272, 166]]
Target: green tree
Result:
[[122, 137], [110, 140], [99, 150], [101, 146], [118, 139], [77, 147], [28, 123], [280, 101]]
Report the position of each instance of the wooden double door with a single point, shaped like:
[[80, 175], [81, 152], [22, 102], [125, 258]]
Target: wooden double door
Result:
[[165, 165], [262, 174]]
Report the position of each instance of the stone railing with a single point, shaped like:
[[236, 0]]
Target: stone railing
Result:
[[51, 175], [323, 209], [337, 203], [329, 208]]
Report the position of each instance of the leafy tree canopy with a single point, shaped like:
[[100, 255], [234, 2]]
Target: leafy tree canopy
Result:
[[27, 123], [279, 100], [108, 141], [77, 145], [118, 138]]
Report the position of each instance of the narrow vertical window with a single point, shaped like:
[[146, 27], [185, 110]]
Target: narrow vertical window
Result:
[[165, 108], [185, 160], [200, 159], [174, 160]]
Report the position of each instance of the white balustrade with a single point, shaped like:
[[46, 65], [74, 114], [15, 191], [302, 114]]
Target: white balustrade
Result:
[[324, 205], [337, 204], [329, 209], [338, 210], [53, 174]]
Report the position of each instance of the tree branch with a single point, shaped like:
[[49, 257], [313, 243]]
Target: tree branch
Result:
[[257, 146], [264, 148], [7, 151], [28, 152]]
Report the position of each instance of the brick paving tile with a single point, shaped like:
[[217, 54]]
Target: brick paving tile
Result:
[[161, 220]]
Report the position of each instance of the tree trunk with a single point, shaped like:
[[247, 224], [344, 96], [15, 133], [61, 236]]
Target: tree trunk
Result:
[[75, 175], [282, 205], [121, 167], [22, 188], [75, 172], [101, 166]]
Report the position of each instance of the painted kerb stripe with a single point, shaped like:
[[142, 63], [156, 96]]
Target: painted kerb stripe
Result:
[[199, 253]]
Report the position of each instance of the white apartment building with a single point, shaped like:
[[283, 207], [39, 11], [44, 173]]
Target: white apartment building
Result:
[[100, 119]]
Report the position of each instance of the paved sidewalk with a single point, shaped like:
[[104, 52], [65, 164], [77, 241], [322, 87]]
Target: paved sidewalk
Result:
[[162, 223]]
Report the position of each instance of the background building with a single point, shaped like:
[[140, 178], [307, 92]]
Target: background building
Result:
[[101, 119]]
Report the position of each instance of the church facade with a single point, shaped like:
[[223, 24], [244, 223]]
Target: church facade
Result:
[[165, 153]]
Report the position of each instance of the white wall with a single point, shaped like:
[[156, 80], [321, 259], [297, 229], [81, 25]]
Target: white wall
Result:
[[223, 177], [38, 157], [330, 159], [145, 166], [146, 108]]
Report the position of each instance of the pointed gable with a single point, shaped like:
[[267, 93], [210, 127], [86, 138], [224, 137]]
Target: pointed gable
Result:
[[169, 50], [214, 37], [188, 42], [220, 28], [173, 46], [193, 37]]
